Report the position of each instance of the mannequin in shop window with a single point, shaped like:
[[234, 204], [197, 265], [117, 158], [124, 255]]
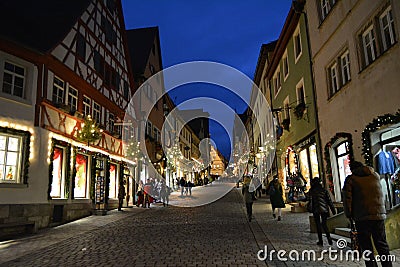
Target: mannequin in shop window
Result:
[[385, 162]]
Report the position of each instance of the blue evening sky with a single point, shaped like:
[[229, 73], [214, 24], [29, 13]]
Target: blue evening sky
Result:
[[225, 31]]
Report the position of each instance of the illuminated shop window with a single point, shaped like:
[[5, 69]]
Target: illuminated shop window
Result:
[[58, 173], [81, 166], [10, 158], [343, 161], [113, 181]]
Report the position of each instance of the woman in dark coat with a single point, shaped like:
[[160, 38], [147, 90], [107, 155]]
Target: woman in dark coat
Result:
[[275, 192], [248, 197], [321, 202]]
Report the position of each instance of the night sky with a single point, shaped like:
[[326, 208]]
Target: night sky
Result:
[[225, 31]]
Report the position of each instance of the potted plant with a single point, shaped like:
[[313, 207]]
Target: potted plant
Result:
[[299, 110]]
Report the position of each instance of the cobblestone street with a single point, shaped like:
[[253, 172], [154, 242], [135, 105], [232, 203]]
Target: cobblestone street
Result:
[[217, 234]]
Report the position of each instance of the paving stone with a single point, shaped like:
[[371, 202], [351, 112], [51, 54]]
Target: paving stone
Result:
[[217, 234]]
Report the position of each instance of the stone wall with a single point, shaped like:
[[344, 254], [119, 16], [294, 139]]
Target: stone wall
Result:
[[43, 214]]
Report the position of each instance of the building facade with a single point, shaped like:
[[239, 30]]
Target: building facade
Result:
[[289, 80], [64, 85], [355, 53]]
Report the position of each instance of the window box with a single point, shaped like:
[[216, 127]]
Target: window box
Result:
[[285, 124], [299, 110]]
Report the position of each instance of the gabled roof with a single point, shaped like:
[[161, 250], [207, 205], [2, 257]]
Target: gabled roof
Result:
[[39, 25], [262, 60], [140, 43]]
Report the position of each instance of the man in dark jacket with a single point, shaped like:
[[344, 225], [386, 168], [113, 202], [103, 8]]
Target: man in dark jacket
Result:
[[363, 202], [321, 202]]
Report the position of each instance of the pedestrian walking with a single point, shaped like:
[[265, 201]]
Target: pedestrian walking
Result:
[[148, 189], [248, 197], [182, 185], [121, 195], [363, 203], [320, 203], [139, 193], [275, 192], [190, 185], [164, 193], [258, 185]]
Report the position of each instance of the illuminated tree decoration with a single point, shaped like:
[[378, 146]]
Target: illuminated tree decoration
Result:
[[89, 131], [132, 151]]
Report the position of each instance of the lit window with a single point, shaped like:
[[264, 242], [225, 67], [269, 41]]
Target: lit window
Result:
[[13, 79], [10, 158], [57, 185], [81, 167], [113, 181]]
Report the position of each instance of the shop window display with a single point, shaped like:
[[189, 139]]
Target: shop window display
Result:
[[113, 181], [57, 175], [81, 176], [343, 162]]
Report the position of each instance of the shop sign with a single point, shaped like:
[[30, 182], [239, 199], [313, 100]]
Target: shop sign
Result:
[[99, 164], [307, 142]]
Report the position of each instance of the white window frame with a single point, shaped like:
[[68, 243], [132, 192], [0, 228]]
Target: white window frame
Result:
[[58, 88], [369, 46], [18, 166], [14, 75], [96, 112], [325, 8], [277, 81], [390, 27], [333, 78], [87, 106], [286, 108], [300, 86], [297, 36], [345, 67], [285, 65], [72, 99]]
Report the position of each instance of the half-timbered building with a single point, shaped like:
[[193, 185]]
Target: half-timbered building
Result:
[[63, 64]]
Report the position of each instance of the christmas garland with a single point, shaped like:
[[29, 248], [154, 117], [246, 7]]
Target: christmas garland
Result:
[[73, 176], [328, 146], [376, 123], [68, 171]]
